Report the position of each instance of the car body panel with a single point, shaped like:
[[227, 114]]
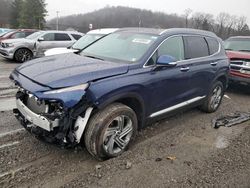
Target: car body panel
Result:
[[99, 32], [80, 70], [34, 45], [239, 71], [156, 88]]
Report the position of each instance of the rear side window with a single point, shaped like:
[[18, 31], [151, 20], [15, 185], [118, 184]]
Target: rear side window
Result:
[[173, 47], [195, 47], [62, 37], [213, 45], [18, 35], [28, 33], [76, 37]]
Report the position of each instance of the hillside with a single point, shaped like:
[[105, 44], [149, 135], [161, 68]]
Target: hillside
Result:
[[118, 17]]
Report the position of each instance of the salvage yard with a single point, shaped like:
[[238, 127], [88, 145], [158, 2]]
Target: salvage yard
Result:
[[181, 151]]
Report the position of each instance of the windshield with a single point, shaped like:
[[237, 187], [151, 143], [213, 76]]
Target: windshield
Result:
[[86, 40], [34, 35], [128, 47], [238, 44]]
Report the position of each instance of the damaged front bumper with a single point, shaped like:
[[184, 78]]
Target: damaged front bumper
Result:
[[49, 121]]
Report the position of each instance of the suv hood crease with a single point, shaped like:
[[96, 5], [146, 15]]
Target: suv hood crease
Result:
[[69, 70]]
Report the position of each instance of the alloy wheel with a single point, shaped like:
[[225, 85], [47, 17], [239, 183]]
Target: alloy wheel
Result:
[[216, 97], [118, 134]]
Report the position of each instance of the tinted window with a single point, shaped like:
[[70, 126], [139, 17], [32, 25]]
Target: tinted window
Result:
[[62, 37], [27, 33], [18, 35], [195, 47], [213, 45], [49, 37], [173, 47], [75, 36]]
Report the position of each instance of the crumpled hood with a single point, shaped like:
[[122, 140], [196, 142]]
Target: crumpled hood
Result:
[[69, 70]]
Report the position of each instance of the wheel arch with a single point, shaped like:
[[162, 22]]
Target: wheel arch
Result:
[[224, 79], [132, 100], [26, 48]]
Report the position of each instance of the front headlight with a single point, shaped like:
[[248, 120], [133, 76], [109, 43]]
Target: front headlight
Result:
[[247, 64], [82, 87], [8, 45]]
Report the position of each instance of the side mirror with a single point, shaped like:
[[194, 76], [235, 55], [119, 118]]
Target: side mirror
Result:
[[40, 39], [166, 61]]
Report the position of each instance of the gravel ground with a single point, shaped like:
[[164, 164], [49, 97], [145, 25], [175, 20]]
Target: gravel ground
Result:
[[181, 151]]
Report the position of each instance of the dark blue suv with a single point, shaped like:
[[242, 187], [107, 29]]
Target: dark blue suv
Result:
[[101, 96]]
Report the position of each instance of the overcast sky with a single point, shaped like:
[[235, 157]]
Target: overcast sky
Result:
[[68, 7]]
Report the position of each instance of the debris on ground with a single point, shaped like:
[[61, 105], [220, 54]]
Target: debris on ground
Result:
[[171, 158], [128, 165], [98, 167], [230, 120], [158, 159]]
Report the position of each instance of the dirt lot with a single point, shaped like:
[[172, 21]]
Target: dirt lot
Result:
[[182, 151]]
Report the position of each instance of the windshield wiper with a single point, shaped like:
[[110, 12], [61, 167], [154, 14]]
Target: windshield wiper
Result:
[[90, 56], [229, 49]]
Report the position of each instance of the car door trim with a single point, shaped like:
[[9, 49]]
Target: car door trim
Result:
[[177, 106]]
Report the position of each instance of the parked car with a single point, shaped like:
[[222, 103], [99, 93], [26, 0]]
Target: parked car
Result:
[[83, 42], [36, 44], [118, 84], [15, 34], [238, 51], [3, 30]]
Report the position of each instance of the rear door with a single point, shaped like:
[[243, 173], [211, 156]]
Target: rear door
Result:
[[201, 64]]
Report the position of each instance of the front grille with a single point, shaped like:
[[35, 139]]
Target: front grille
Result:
[[36, 106], [237, 62]]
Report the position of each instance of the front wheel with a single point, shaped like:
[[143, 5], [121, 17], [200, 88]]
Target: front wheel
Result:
[[214, 98], [110, 131], [22, 55]]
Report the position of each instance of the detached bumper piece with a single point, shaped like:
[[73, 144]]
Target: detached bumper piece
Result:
[[49, 122], [230, 120], [36, 119]]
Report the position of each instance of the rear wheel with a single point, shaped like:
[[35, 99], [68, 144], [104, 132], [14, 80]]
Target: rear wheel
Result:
[[110, 131], [23, 55], [214, 98]]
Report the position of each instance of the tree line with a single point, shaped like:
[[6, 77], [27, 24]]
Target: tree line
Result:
[[23, 13], [224, 24]]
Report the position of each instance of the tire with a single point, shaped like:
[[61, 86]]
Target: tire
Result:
[[213, 100], [22, 55], [104, 136]]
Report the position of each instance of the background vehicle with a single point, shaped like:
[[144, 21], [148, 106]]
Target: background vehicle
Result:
[[36, 44], [84, 41], [238, 51], [19, 33], [118, 84], [3, 30]]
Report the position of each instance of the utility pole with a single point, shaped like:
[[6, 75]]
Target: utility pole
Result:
[[57, 20]]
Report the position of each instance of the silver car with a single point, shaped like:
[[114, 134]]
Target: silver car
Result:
[[36, 44]]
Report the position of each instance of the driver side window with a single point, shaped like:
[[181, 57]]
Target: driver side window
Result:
[[173, 46], [49, 37]]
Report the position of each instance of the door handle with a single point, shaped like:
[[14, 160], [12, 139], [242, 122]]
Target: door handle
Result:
[[185, 69], [214, 63]]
